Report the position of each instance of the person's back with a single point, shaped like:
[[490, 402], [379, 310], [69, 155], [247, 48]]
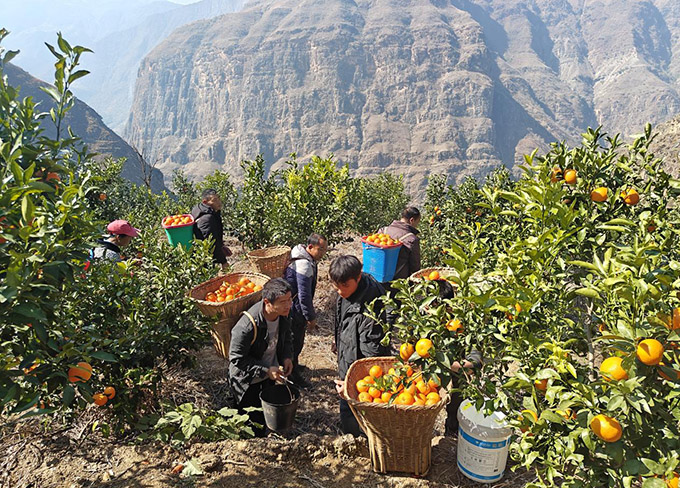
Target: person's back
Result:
[[208, 223], [406, 231]]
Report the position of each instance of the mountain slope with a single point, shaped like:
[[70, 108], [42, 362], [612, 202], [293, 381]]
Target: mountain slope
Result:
[[86, 124], [414, 87]]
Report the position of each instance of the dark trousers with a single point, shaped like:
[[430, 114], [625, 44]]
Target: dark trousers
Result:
[[451, 424], [298, 328], [348, 423], [251, 398]]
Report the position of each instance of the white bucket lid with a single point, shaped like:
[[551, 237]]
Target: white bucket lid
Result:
[[494, 422]]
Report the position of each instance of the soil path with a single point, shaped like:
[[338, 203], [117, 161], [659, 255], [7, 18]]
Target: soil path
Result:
[[313, 455]]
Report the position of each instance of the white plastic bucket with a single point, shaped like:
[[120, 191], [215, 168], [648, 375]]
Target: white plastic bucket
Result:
[[482, 444]]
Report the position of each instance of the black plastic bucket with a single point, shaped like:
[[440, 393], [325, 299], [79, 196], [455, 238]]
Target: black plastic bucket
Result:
[[278, 406]]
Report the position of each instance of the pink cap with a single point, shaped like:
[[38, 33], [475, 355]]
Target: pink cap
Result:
[[122, 227]]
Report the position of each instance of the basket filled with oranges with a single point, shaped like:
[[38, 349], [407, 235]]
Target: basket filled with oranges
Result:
[[179, 229], [433, 274], [397, 408], [226, 297], [380, 255]]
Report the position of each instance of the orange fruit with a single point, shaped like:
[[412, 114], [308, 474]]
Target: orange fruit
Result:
[[434, 396], [419, 400], [630, 196], [369, 380], [606, 428], [422, 387], [361, 386], [434, 383], [378, 400], [423, 347], [555, 175], [81, 372], [374, 392], [672, 482], [100, 399], [454, 325], [110, 392], [375, 371], [406, 351], [650, 352], [434, 275], [411, 388], [570, 177], [409, 371], [102, 196], [611, 369], [676, 319], [365, 397], [599, 194], [404, 398], [541, 385], [257, 288]]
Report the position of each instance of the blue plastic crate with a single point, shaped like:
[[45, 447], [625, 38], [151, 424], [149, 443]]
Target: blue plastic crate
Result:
[[380, 262]]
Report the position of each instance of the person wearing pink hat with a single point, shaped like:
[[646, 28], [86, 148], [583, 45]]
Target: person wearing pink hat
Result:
[[120, 235]]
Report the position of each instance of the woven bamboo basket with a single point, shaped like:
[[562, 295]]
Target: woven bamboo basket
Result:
[[233, 307], [399, 436], [443, 273], [271, 261], [221, 335]]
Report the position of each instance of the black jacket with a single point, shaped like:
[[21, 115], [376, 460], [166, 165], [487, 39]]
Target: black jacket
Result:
[[357, 336], [208, 223], [244, 357]]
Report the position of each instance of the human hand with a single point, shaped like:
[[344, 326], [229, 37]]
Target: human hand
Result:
[[311, 325], [456, 366], [339, 386], [274, 373], [287, 367]]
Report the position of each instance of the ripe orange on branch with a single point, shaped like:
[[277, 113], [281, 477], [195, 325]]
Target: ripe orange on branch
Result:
[[454, 325], [81, 372], [423, 347], [100, 399], [406, 351], [630, 196], [650, 352], [611, 369], [599, 194], [606, 428], [570, 177]]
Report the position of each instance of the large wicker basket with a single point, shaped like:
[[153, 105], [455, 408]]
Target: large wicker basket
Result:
[[399, 436], [226, 313], [443, 273], [233, 307], [271, 261]]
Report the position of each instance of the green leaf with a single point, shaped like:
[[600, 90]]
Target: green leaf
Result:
[[68, 395], [104, 356], [192, 468], [27, 209], [77, 75], [588, 292]]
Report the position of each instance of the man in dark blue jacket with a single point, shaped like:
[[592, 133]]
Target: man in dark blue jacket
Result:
[[302, 274]]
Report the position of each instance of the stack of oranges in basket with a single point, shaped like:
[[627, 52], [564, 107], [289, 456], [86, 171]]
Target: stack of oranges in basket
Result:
[[381, 240], [399, 386], [176, 220], [229, 291]]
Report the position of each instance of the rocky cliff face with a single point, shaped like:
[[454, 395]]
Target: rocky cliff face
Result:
[[410, 86], [87, 125]]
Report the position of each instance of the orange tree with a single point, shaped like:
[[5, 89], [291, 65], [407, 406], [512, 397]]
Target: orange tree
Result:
[[569, 280], [46, 229]]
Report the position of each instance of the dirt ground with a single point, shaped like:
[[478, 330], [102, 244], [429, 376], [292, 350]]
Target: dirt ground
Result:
[[314, 454]]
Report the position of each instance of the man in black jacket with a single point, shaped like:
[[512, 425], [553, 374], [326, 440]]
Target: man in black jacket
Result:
[[208, 223], [356, 336], [261, 348]]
